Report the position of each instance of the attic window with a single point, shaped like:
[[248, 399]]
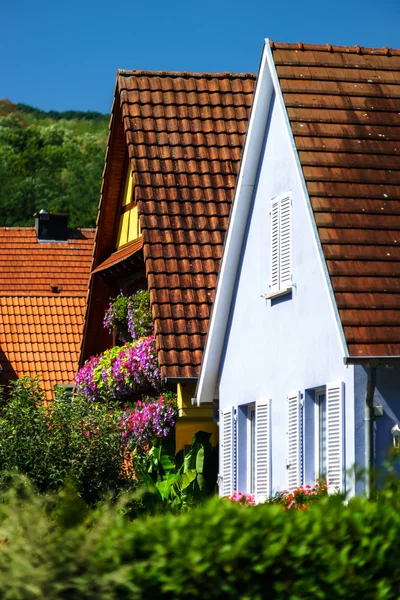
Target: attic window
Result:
[[281, 245], [129, 227]]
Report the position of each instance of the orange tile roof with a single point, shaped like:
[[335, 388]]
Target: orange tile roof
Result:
[[183, 134], [43, 288], [343, 104]]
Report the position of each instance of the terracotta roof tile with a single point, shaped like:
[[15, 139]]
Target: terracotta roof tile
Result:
[[343, 104], [184, 133], [35, 322]]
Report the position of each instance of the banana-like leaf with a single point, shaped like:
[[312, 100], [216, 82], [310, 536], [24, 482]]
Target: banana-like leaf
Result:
[[183, 482]]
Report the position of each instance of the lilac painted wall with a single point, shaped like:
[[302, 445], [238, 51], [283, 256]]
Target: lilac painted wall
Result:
[[291, 344]]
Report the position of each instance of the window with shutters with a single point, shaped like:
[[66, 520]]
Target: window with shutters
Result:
[[294, 462], [329, 435], [281, 245], [262, 438], [227, 452]]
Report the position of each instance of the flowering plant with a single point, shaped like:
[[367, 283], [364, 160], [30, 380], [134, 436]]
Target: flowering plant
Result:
[[119, 371], [150, 418], [243, 499], [84, 380], [130, 316], [301, 497]]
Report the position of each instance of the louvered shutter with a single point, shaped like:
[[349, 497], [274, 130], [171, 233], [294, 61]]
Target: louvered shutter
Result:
[[263, 453], [334, 436], [285, 242], [275, 246], [294, 431], [227, 454]]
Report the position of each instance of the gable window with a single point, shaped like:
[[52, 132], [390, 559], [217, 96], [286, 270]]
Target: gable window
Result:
[[281, 244]]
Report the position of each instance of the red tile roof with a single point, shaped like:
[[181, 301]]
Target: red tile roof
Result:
[[343, 105], [184, 133], [43, 287]]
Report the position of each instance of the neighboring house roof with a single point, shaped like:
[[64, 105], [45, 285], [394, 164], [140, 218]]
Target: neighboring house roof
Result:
[[342, 106], [43, 288], [184, 133]]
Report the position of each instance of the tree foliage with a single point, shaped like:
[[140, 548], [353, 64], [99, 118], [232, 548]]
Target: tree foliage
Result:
[[50, 161]]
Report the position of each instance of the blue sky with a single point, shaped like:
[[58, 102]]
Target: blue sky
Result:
[[64, 55]]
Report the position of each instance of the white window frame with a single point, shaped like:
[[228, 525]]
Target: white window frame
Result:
[[280, 285]]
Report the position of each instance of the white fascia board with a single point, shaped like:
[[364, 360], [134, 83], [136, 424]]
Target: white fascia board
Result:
[[292, 144], [236, 230]]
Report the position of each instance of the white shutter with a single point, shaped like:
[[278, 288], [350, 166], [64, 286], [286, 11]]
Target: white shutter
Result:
[[293, 464], [227, 453], [335, 436], [263, 453], [285, 242], [275, 246]]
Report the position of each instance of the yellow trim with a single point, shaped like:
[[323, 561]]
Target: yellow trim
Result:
[[127, 196]]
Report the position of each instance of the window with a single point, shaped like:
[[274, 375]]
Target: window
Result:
[[244, 458], [281, 244], [329, 435]]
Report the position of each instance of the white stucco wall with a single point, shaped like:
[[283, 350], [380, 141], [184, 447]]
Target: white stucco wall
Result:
[[289, 345]]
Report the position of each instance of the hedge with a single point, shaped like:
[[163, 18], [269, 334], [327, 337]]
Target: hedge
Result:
[[56, 549]]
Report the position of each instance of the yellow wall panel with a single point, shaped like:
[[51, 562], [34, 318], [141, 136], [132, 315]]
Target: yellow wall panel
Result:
[[123, 230]]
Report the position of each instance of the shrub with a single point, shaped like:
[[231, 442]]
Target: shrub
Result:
[[218, 550], [71, 437]]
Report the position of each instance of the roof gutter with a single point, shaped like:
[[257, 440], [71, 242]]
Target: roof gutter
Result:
[[371, 361]]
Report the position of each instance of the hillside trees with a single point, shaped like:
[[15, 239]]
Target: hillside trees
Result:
[[49, 163]]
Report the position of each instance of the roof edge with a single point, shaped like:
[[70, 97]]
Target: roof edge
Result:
[[384, 51], [205, 75]]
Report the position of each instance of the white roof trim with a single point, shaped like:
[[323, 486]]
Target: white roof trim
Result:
[[234, 238]]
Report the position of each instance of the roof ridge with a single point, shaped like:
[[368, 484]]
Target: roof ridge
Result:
[[385, 51], [205, 75]]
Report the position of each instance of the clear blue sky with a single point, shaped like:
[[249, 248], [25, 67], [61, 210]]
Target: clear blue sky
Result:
[[64, 55]]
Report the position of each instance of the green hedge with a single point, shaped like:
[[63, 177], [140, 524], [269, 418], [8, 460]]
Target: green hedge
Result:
[[56, 548]]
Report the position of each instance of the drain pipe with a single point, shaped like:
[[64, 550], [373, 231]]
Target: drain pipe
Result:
[[369, 429]]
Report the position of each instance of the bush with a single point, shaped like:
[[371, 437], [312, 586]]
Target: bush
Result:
[[219, 550], [71, 437]]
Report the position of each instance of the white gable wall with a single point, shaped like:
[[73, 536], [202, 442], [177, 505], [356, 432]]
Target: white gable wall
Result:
[[274, 349]]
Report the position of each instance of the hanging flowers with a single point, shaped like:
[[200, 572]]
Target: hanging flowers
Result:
[[150, 418], [130, 316], [121, 370]]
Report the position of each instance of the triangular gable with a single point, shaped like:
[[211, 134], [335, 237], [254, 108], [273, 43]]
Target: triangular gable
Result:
[[267, 84]]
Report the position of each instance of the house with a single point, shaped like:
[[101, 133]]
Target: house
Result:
[[303, 346], [173, 154], [44, 274]]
